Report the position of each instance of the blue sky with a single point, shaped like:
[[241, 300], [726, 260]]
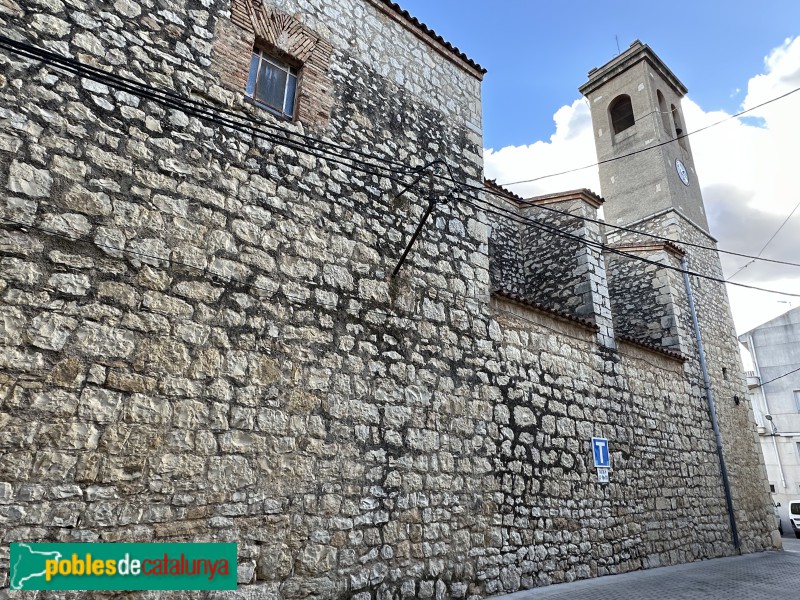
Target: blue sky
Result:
[[730, 55], [537, 53]]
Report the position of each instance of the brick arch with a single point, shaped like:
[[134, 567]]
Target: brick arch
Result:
[[252, 23], [282, 31]]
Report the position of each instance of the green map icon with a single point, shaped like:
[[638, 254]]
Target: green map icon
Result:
[[27, 565], [123, 566]]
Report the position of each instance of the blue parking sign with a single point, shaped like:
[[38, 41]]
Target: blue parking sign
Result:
[[600, 451]]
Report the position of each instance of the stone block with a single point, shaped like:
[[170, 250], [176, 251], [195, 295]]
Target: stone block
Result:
[[229, 270], [28, 180], [100, 405], [242, 442], [68, 372], [274, 562], [17, 242], [128, 382], [16, 434], [19, 210], [111, 241], [55, 401], [373, 290], [148, 251], [52, 465], [75, 284], [12, 324], [524, 417], [162, 355], [123, 468], [94, 339], [245, 572], [108, 160], [70, 436], [198, 290], [396, 416], [72, 225], [21, 271], [230, 473], [145, 408]]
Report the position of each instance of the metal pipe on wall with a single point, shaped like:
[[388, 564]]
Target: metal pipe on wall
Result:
[[710, 397]]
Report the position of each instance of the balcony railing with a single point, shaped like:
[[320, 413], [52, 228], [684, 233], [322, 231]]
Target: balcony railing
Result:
[[753, 380]]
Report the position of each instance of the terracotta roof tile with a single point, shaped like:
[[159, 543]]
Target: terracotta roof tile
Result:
[[659, 246], [493, 187], [430, 33], [650, 346], [542, 308]]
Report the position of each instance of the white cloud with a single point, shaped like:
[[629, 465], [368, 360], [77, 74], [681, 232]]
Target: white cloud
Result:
[[782, 74], [747, 169], [572, 145]]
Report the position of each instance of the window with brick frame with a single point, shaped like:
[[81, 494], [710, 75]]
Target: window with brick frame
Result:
[[254, 26], [272, 83]]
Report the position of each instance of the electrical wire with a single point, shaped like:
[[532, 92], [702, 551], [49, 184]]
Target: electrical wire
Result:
[[206, 112], [144, 91], [660, 237], [175, 101], [648, 148], [607, 225], [764, 247], [215, 277], [605, 247], [779, 377], [611, 249], [503, 196], [44, 55]]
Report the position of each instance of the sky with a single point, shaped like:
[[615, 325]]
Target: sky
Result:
[[729, 56]]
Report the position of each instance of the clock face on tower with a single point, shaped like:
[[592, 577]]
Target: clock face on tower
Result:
[[682, 173]]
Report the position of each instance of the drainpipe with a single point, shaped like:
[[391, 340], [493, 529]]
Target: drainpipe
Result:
[[710, 397], [766, 405]]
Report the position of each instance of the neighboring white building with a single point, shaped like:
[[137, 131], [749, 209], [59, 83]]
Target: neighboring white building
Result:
[[775, 396]]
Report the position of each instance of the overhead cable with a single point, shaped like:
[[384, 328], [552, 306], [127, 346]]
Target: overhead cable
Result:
[[490, 208], [769, 241], [648, 148], [779, 377], [207, 112]]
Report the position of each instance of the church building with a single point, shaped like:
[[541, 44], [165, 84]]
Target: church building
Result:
[[254, 289]]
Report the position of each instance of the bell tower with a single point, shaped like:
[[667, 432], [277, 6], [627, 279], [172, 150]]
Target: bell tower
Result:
[[650, 186], [638, 127]]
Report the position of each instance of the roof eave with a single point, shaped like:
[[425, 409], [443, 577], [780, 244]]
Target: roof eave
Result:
[[395, 12], [635, 54]]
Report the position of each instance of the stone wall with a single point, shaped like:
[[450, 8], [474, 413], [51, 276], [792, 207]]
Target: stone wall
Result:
[[550, 261], [664, 504], [199, 341], [394, 53], [647, 298], [737, 423], [744, 462], [506, 269], [547, 251]]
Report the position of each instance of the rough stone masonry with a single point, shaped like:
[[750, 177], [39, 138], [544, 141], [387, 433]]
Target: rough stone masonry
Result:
[[199, 340]]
